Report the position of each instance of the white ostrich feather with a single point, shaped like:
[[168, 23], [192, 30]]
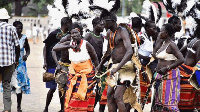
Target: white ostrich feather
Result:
[[165, 2], [197, 12], [190, 24], [190, 4], [155, 12], [133, 14], [73, 7], [147, 5], [175, 3], [84, 7], [88, 23], [56, 13], [104, 4]]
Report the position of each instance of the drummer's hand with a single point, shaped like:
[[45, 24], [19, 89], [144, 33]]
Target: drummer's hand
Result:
[[58, 68], [113, 71]]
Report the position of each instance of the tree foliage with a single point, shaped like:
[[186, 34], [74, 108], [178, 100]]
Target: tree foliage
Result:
[[133, 6], [41, 6], [19, 4], [130, 6], [6, 4]]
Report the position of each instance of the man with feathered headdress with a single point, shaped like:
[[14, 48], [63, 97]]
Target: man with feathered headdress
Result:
[[122, 71]]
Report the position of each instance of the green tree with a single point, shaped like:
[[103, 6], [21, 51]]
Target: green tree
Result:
[[133, 6], [41, 6], [19, 4], [6, 4]]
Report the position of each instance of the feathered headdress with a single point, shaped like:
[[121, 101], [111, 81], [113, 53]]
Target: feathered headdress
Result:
[[171, 5], [106, 7], [183, 8], [151, 12], [56, 12], [77, 8], [191, 24], [186, 9]]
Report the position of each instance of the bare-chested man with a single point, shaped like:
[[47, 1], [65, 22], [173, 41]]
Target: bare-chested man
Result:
[[121, 53]]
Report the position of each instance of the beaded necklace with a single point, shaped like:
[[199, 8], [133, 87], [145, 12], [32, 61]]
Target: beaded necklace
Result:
[[61, 34], [77, 49], [113, 39], [95, 35]]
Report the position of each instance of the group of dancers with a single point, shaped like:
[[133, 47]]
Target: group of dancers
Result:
[[139, 56]]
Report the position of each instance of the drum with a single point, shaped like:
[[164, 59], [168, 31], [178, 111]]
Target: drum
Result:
[[193, 81], [197, 72]]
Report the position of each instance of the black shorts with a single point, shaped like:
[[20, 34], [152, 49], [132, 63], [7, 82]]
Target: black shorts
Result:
[[126, 83]]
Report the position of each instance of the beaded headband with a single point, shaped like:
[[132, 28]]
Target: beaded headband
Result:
[[78, 29]]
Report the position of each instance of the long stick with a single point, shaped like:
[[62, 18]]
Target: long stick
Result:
[[147, 93], [100, 77]]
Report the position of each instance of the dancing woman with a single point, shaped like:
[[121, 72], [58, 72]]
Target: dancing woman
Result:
[[167, 90], [79, 97]]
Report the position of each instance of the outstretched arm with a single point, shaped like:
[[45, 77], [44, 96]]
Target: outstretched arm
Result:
[[62, 46], [66, 38]]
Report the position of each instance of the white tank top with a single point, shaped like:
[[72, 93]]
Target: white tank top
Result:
[[77, 57], [146, 49]]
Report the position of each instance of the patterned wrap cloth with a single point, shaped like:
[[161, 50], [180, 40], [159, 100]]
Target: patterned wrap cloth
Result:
[[189, 96], [80, 98], [104, 88], [167, 91], [144, 84]]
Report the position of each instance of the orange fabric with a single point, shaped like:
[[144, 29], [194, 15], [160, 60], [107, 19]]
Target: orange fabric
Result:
[[138, 39], [80, 70], [112, 45], [184, 71]]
